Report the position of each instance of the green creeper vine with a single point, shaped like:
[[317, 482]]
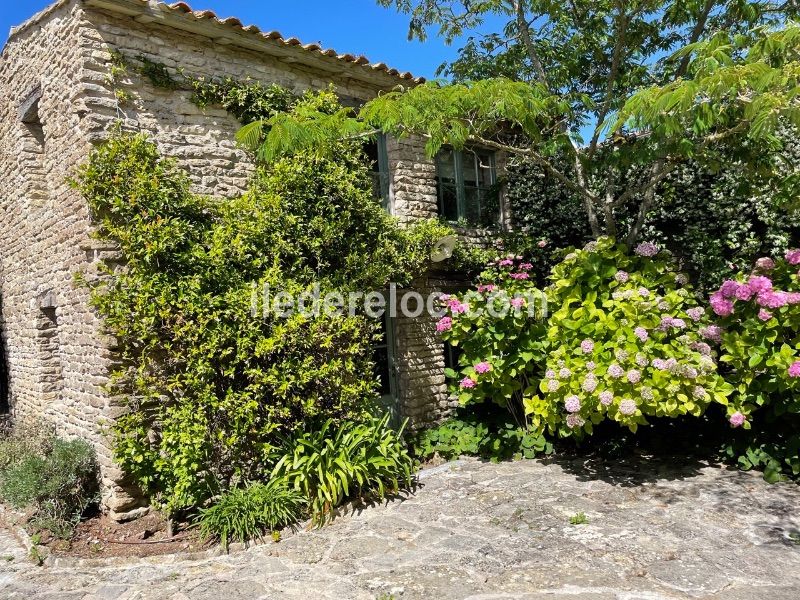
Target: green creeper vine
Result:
[[247, 100]]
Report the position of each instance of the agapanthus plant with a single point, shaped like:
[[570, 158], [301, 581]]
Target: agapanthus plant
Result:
[[626, 343]]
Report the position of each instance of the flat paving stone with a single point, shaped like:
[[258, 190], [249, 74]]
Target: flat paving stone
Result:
[[657, 530]]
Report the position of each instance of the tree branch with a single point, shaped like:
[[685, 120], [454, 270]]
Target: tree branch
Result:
[[697, 31], [616, 58], [524, 31], [538, 159]]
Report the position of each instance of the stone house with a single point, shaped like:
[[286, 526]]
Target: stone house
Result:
[[58, 99]]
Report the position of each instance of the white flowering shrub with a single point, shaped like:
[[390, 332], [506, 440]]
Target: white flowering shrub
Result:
[[627, 341]]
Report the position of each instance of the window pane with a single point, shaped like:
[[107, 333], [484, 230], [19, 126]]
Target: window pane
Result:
[[448, 202], [470, 175], [472, 205], [381, 358], [380, 354], [446, 166], [451, 356], [485, 169]]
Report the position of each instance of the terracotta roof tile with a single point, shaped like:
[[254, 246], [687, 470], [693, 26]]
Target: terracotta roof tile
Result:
[[184, 8]]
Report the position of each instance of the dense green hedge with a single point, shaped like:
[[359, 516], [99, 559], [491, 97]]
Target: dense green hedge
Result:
[[714, 219], [211, 389]]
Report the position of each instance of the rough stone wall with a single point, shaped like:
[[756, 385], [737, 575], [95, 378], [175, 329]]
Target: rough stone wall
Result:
[[57, 356], [423, 395], [201, 139]]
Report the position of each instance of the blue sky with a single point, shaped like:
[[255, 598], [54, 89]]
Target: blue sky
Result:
[[355, 26]]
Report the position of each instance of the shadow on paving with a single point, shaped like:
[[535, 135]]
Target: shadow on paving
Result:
[[630, 471]]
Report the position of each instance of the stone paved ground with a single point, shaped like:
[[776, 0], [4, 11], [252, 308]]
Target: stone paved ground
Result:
[[484, 531]]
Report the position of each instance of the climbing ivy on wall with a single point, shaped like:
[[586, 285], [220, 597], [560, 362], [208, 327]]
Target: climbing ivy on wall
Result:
[[212, 389], [248, 100]]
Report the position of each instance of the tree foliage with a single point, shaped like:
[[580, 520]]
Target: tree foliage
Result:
[[609, 85]]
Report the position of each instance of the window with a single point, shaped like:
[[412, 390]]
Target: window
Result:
[[383, 354], [379, 161], [465, 186], [451, 356]]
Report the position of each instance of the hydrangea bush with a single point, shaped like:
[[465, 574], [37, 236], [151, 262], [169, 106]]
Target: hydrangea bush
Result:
[[626, 341], [501, 332], [759, 321]]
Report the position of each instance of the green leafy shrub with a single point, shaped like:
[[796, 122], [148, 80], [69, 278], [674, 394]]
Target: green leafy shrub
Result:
[[212, 389], [59, 484], [626, 342], [758, 317], [24, 441], [334, 463], [500, 330], [252, 512], [480, 433], [711, 218]]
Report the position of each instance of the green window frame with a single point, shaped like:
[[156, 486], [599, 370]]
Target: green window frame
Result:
[[466, 186], [379, 157]]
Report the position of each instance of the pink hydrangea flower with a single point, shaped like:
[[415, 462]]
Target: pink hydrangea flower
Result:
[[444, 324], [712, 332], [745, 292], [701, 347], [542, 244], [445, 297], [574, 421], [644, 292], [525, 267], [606, 398], [794, 369], [590, 383], [615, 371], [759, 284], [506, 262], [627, 407], [621, 276], [647, 249], [587, 346], [552, 385], [483, 367], [720, 305], [572, 404], [467, 383], [634, 376], [771, 299], [641, 333], [485, 288], [517, 302], [793, 257], [728, 288], [590, 365], [519, 276], [737, 419], [765, 264], [764, 315], [696, 313], [458, 307], [564, 372], [699, 392], [793, 297]]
